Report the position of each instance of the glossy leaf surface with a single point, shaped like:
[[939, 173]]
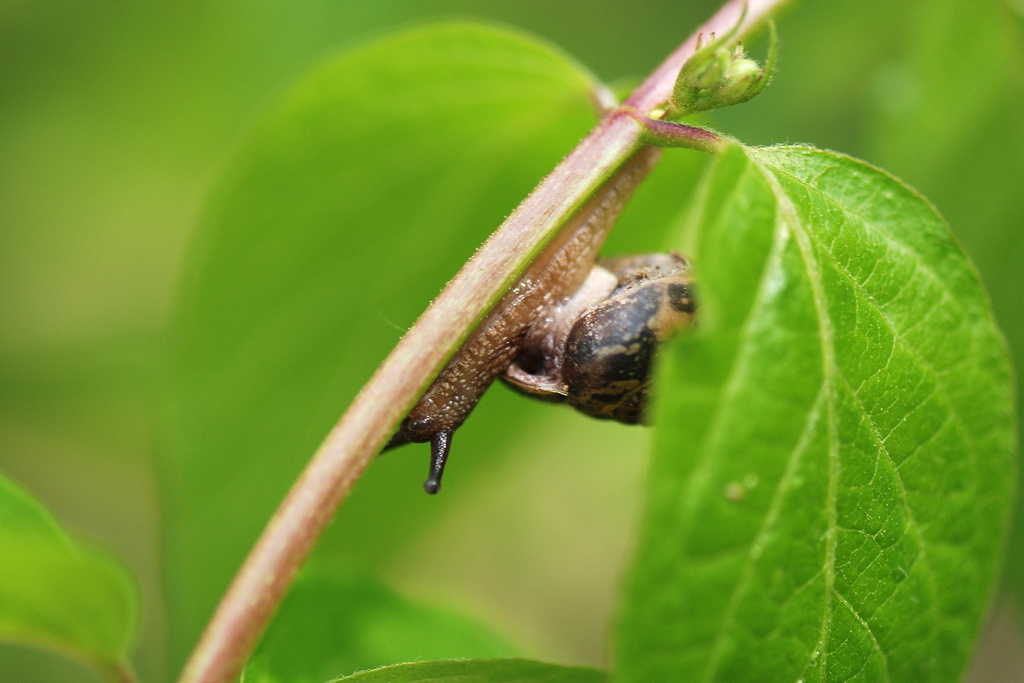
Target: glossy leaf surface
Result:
[[831, 483], [60, 593]]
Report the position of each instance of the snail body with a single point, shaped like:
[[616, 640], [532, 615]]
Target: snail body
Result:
[[592, 350], [557, 331]]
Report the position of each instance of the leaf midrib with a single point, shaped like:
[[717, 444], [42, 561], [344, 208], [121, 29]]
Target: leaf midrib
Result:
[[790, 217], [775, 505], [833, 372]]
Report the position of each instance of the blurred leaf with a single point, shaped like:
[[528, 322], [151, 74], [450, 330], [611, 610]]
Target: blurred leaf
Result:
[[479, 671], [331, 625], [949, 118], [832, 499], [346, 211], [59, 593]]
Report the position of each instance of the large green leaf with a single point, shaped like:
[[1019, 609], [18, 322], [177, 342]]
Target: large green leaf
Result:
[[479, 671], [830, 488], [338, 220], [333, 624], [60, 593]]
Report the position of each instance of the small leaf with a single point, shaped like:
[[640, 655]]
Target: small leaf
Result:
[[834, 468], [59, 593], [479, 671], [331, 625]]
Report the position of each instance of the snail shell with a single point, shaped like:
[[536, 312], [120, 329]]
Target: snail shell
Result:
[[596, 355]]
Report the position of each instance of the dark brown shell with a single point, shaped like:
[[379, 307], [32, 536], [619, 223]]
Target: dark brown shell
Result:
[[610, 349]]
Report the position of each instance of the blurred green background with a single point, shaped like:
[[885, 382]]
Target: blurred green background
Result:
[[116, 117]]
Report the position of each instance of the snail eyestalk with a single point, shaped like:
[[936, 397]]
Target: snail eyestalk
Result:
[[439, 447]]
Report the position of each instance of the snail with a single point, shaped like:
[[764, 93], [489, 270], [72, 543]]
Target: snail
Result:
[[569, 330]]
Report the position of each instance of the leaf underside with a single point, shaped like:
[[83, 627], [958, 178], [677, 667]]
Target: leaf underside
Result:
[[834, 466]]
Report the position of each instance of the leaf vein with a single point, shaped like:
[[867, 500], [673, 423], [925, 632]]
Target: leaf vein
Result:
[[871, 634]]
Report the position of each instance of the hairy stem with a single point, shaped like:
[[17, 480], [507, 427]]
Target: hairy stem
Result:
[[263, 580]]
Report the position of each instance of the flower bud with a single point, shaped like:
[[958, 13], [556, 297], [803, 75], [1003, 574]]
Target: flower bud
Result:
[[719, 75]]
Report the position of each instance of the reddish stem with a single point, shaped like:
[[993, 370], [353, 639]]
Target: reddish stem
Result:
[[263, 580]]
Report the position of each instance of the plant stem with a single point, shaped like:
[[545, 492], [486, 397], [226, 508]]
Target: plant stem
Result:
[[668, 134], [263, 580]]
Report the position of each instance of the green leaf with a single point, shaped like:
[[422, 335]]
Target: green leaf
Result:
[[332, 624], [831, 483], [479, 671], [331, 229], [60, 593]]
